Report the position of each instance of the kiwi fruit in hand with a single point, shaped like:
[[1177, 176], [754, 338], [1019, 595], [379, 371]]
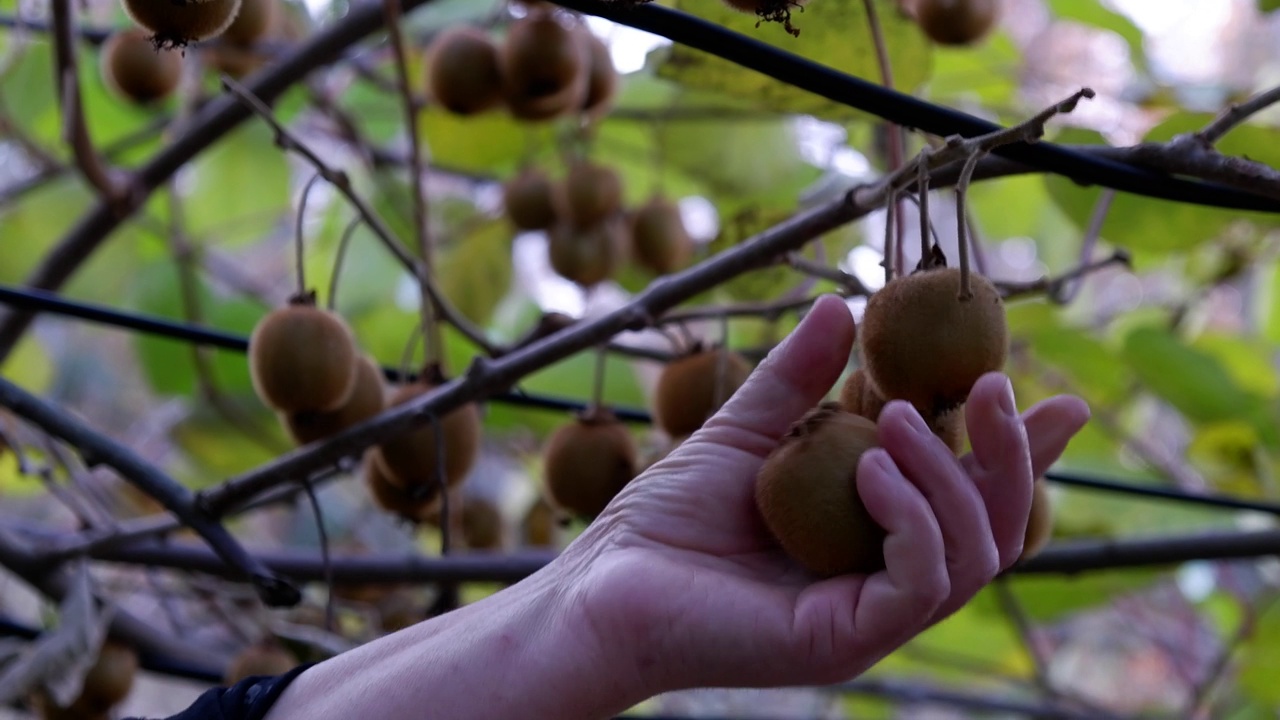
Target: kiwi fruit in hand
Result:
[[807, 494], [367, 398], [303, 358], [659, 240], [691, 388], [410, 460], [529, 199], [921, 343], [135, 70], [588, 462], [859, 396], [957, 22], [175, 24], [463, 75]]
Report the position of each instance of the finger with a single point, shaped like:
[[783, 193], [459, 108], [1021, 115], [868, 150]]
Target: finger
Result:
[[972, 557], [1050, 426], [858, 618], [791, 380], [1000, 463]]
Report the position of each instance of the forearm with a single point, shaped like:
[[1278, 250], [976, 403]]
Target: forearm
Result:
[[525, 652]]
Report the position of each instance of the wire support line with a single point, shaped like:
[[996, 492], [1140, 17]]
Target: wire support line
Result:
[[1216, 500]]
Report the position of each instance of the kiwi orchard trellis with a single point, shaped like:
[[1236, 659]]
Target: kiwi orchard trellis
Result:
[[1149, 169]]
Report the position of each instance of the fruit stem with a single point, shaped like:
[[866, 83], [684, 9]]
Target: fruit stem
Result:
[[298, 236], [891, 209], [895, 139], [922, 183], [597, 389], [339, 258], [962, 199], [431, 337], [324, 552]]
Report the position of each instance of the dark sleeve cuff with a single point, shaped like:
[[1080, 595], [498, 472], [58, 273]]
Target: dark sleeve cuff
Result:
[[249, 699]]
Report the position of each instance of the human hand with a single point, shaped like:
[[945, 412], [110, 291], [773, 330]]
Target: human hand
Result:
[[682, 575]]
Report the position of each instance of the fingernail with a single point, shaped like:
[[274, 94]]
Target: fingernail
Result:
[[1007, 404]]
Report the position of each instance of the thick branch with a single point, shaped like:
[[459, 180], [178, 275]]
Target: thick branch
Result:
[[96, 449]]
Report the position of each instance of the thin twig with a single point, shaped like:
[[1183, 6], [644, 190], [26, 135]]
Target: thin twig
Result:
[[299, 238], [339, 258], [1067, 291], [1052, 286], [1237, 113], [849, 283]]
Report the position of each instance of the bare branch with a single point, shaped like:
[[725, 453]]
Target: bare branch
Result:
[[1237, 113], [1053, 286]]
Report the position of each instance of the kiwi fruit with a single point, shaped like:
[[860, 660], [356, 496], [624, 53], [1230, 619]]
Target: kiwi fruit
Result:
[[135, 70], [543, 65], [1040, 522], [367, 398], [602, 78], [303, 358], [807, 493], [923, 344], [265, 657], [589, 194], [659, 240], [416, 506], [689, 387], [529, 199], [110, 678], [483, 527], [463, 74], [950, 427], [540, 527], [255, 21], [409, 459], [859, 396], [174, 24], [587, 256], [588, 462], [957, 22]]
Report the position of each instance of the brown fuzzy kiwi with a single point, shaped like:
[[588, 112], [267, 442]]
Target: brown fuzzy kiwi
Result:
[[807, 494], [859, 396], [602, 78], [256, 20], [235, 54], [135, 70], [265, 657], [174, 24], [587, 256], [589, 194], [419, 505], [540, 527], [463, 74], [410, 459], [483, 527], [544, 67], [367, 398], [659, 240], [686, 392], [950, 427], [588, 462], [529, 199], [957, 22], [922, 344], [110, 678], [303, 358], [1040, 522]]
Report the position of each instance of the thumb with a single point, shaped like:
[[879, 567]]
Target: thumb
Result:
[[792, 379]]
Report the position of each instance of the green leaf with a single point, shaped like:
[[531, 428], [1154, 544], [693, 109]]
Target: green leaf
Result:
[[1267, 299], [493, 143], [239, 188], [1091, 364], [963, 75], [1248, 361], [28, 366], [1048, 598], [1100, 16], [475, 274], [1260, 659], [33, 225], [755, 285], [1267, 6], [834, 33]]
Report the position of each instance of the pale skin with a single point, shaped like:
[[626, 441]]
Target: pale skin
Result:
[[678, 584]]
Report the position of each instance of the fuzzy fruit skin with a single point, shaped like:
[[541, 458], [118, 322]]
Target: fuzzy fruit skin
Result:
[[1040, 522], [602, 79], [950, 427], [586, 256], [303, 358], [136, 71], [256, 19], [587, 463], [111, 677], [658, 237], [397, 500], [529, 199], [483, 527], [174, 25], [463, 74], [922, 344], [957, 22], [543, 65], [263, 658], [686, 392], [409, 460], [859, 396], [367, 398], [807, 494], [590, 194]]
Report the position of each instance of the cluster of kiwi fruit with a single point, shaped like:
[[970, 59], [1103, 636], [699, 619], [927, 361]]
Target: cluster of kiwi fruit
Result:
[[923, 341], [956, 22], [589, 233], [105, 685], [549, 65]]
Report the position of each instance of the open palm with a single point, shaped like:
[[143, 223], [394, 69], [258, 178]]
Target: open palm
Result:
[[681, 567]]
